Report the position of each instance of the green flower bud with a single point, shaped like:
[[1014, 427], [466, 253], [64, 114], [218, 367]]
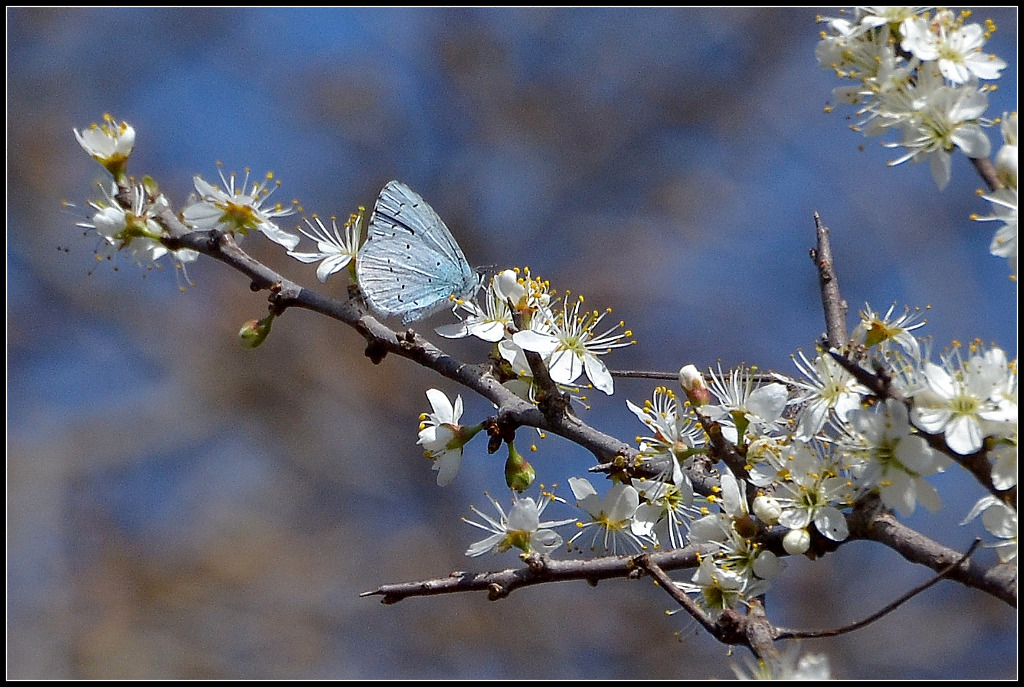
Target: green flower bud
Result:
[[254, 332], [519, 474]]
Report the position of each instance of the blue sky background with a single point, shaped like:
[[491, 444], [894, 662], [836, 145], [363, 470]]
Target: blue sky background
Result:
[[180, 507]]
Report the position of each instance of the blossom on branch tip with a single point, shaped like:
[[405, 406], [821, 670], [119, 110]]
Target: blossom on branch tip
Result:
[[110, 144], [962, 399], [882, 331]]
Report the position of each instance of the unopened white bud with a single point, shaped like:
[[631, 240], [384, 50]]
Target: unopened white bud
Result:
[[507, 286], [796, 542], [767, 509], [693, 384]]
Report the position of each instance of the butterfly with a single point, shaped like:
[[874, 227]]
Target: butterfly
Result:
[[410, 265]]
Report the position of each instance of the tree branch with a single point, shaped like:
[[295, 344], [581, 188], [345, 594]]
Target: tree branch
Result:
[[834, 305], [999, 581], [876, 524], [539, 570]]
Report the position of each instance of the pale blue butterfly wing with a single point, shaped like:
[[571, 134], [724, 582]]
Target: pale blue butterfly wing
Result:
[[410, 265]]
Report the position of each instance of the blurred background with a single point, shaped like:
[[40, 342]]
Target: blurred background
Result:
[[179, 507]]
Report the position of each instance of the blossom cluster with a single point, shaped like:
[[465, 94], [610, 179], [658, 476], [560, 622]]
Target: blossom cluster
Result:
[[562, 332], [922, 75], [812, 446], [133, 224], [917, 74]]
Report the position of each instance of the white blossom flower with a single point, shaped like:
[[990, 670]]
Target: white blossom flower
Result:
[[110, 144], [884, 330], [488, 323], [789, 665], [334, 251], [133, 230], [526, 293], [948, 117], [1000, 520], [442, 437], [570, 346], [839, 51], [958, 399], [1004, 464], [521, 528], [666, 510], [828, 387], [611, 517], [1004, 209], [744, 409], [766, 463], [888, 457], [1004, 395], [811, 492], [955, 47], [717, 589], [238, 211], [728, 532], [673, 434], [1006, 158]]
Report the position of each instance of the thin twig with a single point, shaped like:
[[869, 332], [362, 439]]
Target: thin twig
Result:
[[642, 374], [889, 608], [645, 562], [833, 303], [987, 171]]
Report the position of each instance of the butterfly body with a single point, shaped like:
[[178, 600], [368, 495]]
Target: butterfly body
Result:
[[410, 265]]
